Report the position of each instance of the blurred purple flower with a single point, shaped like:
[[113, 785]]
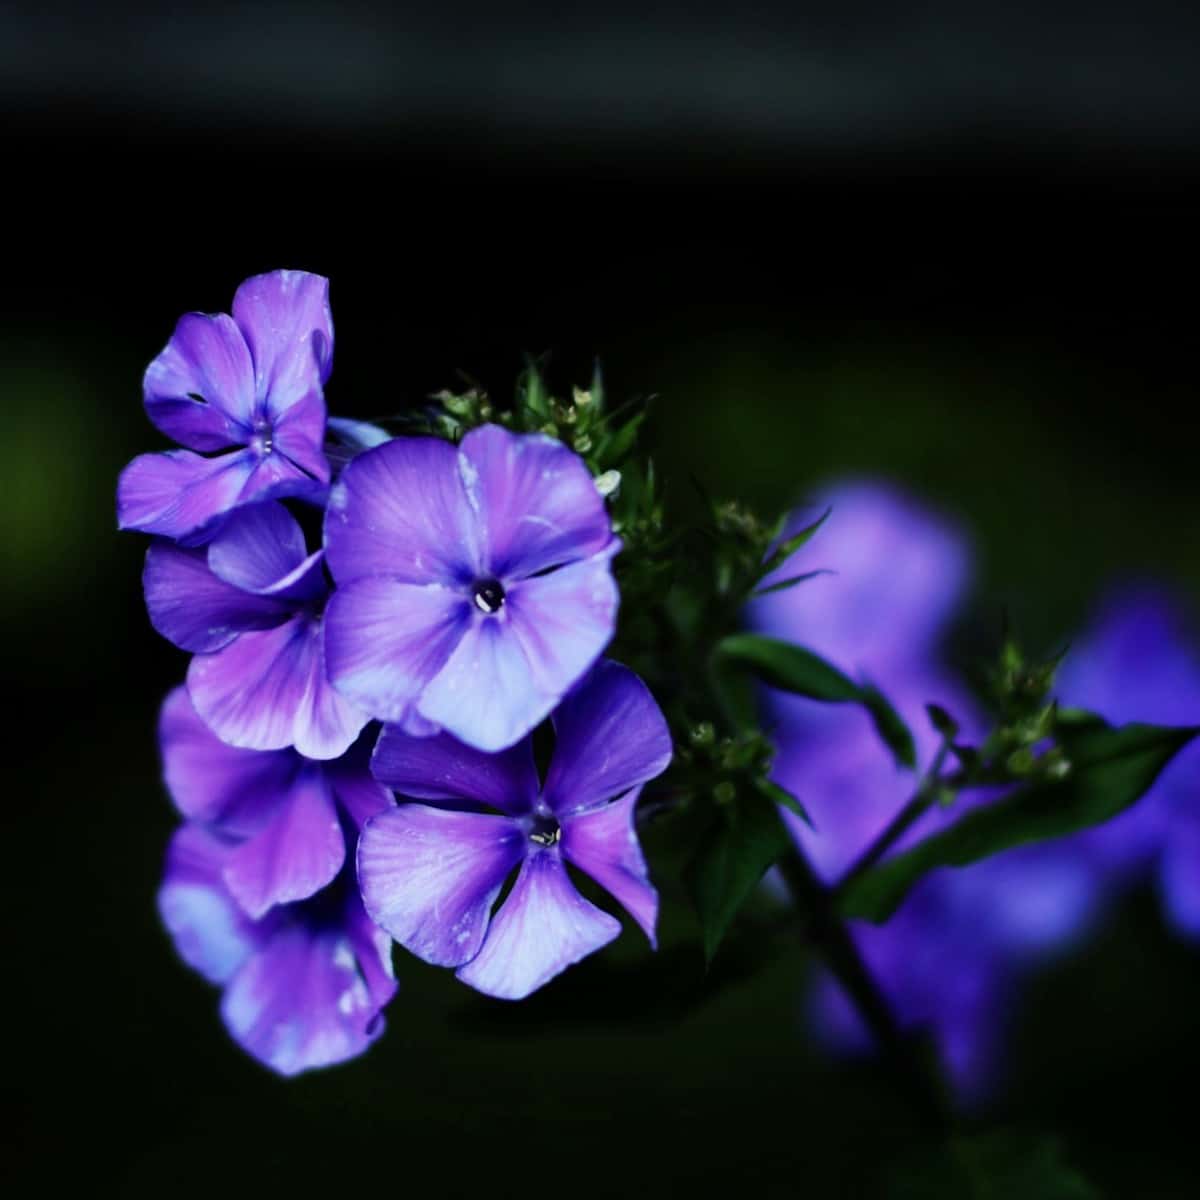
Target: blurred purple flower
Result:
[[430, 874], [250, 606], [474, 583], [250, 384], [259, 896]]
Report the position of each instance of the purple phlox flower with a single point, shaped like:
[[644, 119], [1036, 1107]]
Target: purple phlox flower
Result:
[[249, 384], [474, 583], [430, 873], [1139, 660], [250, 606], [259, 896], [950, 960]]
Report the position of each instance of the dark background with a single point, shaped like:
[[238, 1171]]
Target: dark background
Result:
[[955, 246]]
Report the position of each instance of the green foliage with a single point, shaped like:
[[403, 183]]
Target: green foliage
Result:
[[745, 838], [999, 1165], [1105, 771], [798, 670]]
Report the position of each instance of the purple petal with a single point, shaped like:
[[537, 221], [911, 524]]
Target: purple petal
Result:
[[193, 608], [604, 843], [543, 927], [306, 1000], [180, 495], [285, 318], [537, 499], [296, 855], [357, 436], [360, 795], [211, 933], [400, 511], [372, 948], [260, 549], [1180, 875], [610, 736], [269, 690], [385, 640], [430, 877], [510, 670], [299, 435], [209, 781], [200, 389], [443, 768]]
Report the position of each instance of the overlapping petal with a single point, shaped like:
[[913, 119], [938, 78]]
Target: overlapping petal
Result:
[[399, 511], [610, 736], [200, 389], [295, 855], [543, 927], [535, 499], [268, 690], [430, 877], [603, 842], [212, 934], [385, 640], [443, 768]]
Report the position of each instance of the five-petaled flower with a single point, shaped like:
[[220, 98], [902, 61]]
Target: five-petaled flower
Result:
[[249, 605], [250, 384], [259, 894], [474, 584], [430, 873]]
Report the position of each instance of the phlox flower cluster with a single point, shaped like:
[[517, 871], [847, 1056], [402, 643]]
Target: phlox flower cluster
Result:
[[377, 625], [951, 960]]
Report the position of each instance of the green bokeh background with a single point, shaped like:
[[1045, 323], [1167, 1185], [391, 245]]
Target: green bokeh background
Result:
[[1040, 392]]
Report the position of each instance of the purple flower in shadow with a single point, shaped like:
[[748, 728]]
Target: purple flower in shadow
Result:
[[249, 384], [259, 897], [431, 873], [250, 606], [474, 585]]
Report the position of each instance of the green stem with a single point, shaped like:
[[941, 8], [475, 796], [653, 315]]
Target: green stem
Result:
[[831, 937]]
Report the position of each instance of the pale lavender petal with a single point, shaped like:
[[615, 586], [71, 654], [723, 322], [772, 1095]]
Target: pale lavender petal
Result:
[[179, 494], [269, 690], [357, 435], [400, 511], [360, 795], [610, 736], [191, 607], [210, 781], [211, 933], [430, 877], [443, 768], [287, 324], [299, 434], [304, 1000], [510, 670], [537, 499], [385, 640], [296, 855], [603, 842], [543, 927], [200, 389]]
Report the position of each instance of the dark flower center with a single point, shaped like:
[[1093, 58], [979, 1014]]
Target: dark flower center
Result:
[[544, 830], [489, 595]]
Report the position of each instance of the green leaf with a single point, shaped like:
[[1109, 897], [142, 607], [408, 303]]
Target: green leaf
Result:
[[789, 546], [778, 795], [999, 1165], [790, 582], [794, 669], [734, 854], [1110, 769]]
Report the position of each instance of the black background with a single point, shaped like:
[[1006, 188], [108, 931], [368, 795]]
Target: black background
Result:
[[953, 246]]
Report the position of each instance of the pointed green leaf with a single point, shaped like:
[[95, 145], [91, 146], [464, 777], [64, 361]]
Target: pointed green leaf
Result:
[[1110, 769], [789, 546], [790, 582], [795, 669], [746, 838]]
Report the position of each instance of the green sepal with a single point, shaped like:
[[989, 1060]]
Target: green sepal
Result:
[[1109, 770], [746, 837], [789, 546], [795, 669]]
